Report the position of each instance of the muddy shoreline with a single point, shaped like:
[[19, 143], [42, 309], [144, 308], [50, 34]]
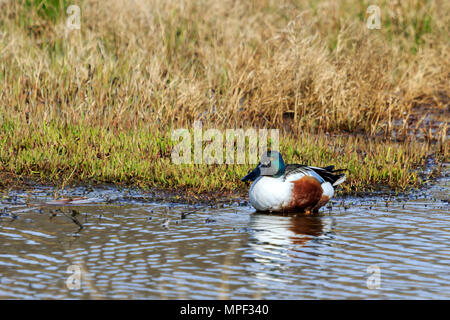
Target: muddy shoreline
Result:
[[214, 199]]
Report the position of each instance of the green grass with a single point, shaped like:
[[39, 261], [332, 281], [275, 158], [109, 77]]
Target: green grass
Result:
[[62, 154], [48, 9]]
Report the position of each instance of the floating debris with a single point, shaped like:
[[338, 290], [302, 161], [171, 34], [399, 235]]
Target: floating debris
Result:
[[209, 220], [65, 201], [166, 224], [72, 201]]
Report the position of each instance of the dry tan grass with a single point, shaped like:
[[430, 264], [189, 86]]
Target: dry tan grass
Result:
[[230, 63]]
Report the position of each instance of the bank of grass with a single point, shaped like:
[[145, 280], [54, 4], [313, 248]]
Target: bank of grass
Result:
[[98, 104], [64, 154]]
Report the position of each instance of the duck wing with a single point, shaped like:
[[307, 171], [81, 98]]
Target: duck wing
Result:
[[325, 174], [300, 170]]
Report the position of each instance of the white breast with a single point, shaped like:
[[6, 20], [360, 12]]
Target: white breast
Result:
[[270, 194]]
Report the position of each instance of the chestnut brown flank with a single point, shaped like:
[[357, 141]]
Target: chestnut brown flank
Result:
[[306, 194]]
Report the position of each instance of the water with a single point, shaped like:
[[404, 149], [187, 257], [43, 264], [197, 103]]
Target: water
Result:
[[130, 248]]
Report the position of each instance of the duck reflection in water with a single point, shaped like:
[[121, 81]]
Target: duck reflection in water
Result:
[[280, 230], [305, 229], [281, 246]]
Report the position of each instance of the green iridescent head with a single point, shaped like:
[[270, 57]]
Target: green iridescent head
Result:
[[271, 165]]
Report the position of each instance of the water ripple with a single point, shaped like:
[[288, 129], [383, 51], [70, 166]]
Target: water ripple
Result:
[[133, 249]]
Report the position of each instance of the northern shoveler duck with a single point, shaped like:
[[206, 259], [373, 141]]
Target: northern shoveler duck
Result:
[[278, 187]]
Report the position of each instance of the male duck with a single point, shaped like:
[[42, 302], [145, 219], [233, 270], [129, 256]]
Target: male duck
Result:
[[280, 188]]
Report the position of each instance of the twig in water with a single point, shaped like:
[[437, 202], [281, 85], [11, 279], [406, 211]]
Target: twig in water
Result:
[[184, 214], [74, 218]]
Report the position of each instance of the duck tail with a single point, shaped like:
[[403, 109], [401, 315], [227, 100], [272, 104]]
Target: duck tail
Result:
[[338, 178], [341, 178], [335, 177]]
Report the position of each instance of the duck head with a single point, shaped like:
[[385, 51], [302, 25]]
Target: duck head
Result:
[[271, 165]]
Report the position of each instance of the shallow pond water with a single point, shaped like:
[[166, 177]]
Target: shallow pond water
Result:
[[131, 248]]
